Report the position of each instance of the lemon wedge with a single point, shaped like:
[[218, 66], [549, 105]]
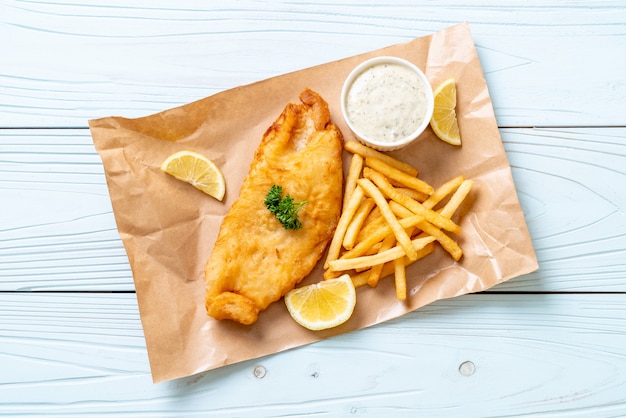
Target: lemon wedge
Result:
[[322, 305], [443, 121], [197, 170]]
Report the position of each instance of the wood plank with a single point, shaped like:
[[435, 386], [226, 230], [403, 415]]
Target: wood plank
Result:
[[57, 229], [476, 355], [570, 184], [548, 63], [575, 209]]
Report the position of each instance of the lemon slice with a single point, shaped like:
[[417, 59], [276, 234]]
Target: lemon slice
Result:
[[444, 122], [197, 170], [322, 305]]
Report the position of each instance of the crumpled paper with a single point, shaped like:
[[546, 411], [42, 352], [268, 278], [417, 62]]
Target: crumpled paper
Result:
[[168, 228]]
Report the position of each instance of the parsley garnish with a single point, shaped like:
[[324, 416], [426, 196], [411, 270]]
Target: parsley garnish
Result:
[[284, 208]]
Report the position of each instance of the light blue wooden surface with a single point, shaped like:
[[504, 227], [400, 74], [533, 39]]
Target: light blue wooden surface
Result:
[[551, 343]]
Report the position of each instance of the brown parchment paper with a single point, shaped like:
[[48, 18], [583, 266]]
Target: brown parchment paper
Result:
[[168, 228]]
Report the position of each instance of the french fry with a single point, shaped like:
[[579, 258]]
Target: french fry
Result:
[[400, 211], [411, 204], [377, 236], [357, 223], [381, 257], [399, 176], [403, 239], [442, 191], [413, 194], [375, 271], [360, 149], [344, 220], [446, 242], [403, 213], [400, 278], [329, 274], [457, 198], [373, 222], [354, 172], [360, 279], [374, 249]]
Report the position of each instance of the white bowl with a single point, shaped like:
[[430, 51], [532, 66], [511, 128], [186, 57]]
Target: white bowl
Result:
[[387, 102]]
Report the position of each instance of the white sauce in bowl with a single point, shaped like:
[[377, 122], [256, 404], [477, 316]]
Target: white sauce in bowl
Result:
[[387, 102]]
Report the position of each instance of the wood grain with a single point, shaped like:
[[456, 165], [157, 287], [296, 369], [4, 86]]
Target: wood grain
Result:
[[57, 229], [570, 184], [83, 354], [67, 62]]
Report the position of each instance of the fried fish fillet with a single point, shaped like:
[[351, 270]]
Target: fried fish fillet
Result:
[[255, 261]]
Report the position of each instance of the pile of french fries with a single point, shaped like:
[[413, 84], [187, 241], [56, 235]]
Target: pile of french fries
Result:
[[390, 219]]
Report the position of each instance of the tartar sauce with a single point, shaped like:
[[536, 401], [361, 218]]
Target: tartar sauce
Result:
[[387, 102]]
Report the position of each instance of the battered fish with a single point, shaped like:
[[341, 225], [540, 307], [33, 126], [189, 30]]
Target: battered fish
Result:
[[256, 260]]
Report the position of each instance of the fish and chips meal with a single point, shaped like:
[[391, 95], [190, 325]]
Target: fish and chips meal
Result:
[[293, 208], [323, 239]]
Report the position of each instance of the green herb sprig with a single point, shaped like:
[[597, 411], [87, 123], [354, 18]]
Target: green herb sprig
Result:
[[284, 208]]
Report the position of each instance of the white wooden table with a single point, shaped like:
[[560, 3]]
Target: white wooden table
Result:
[[551, 343]]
